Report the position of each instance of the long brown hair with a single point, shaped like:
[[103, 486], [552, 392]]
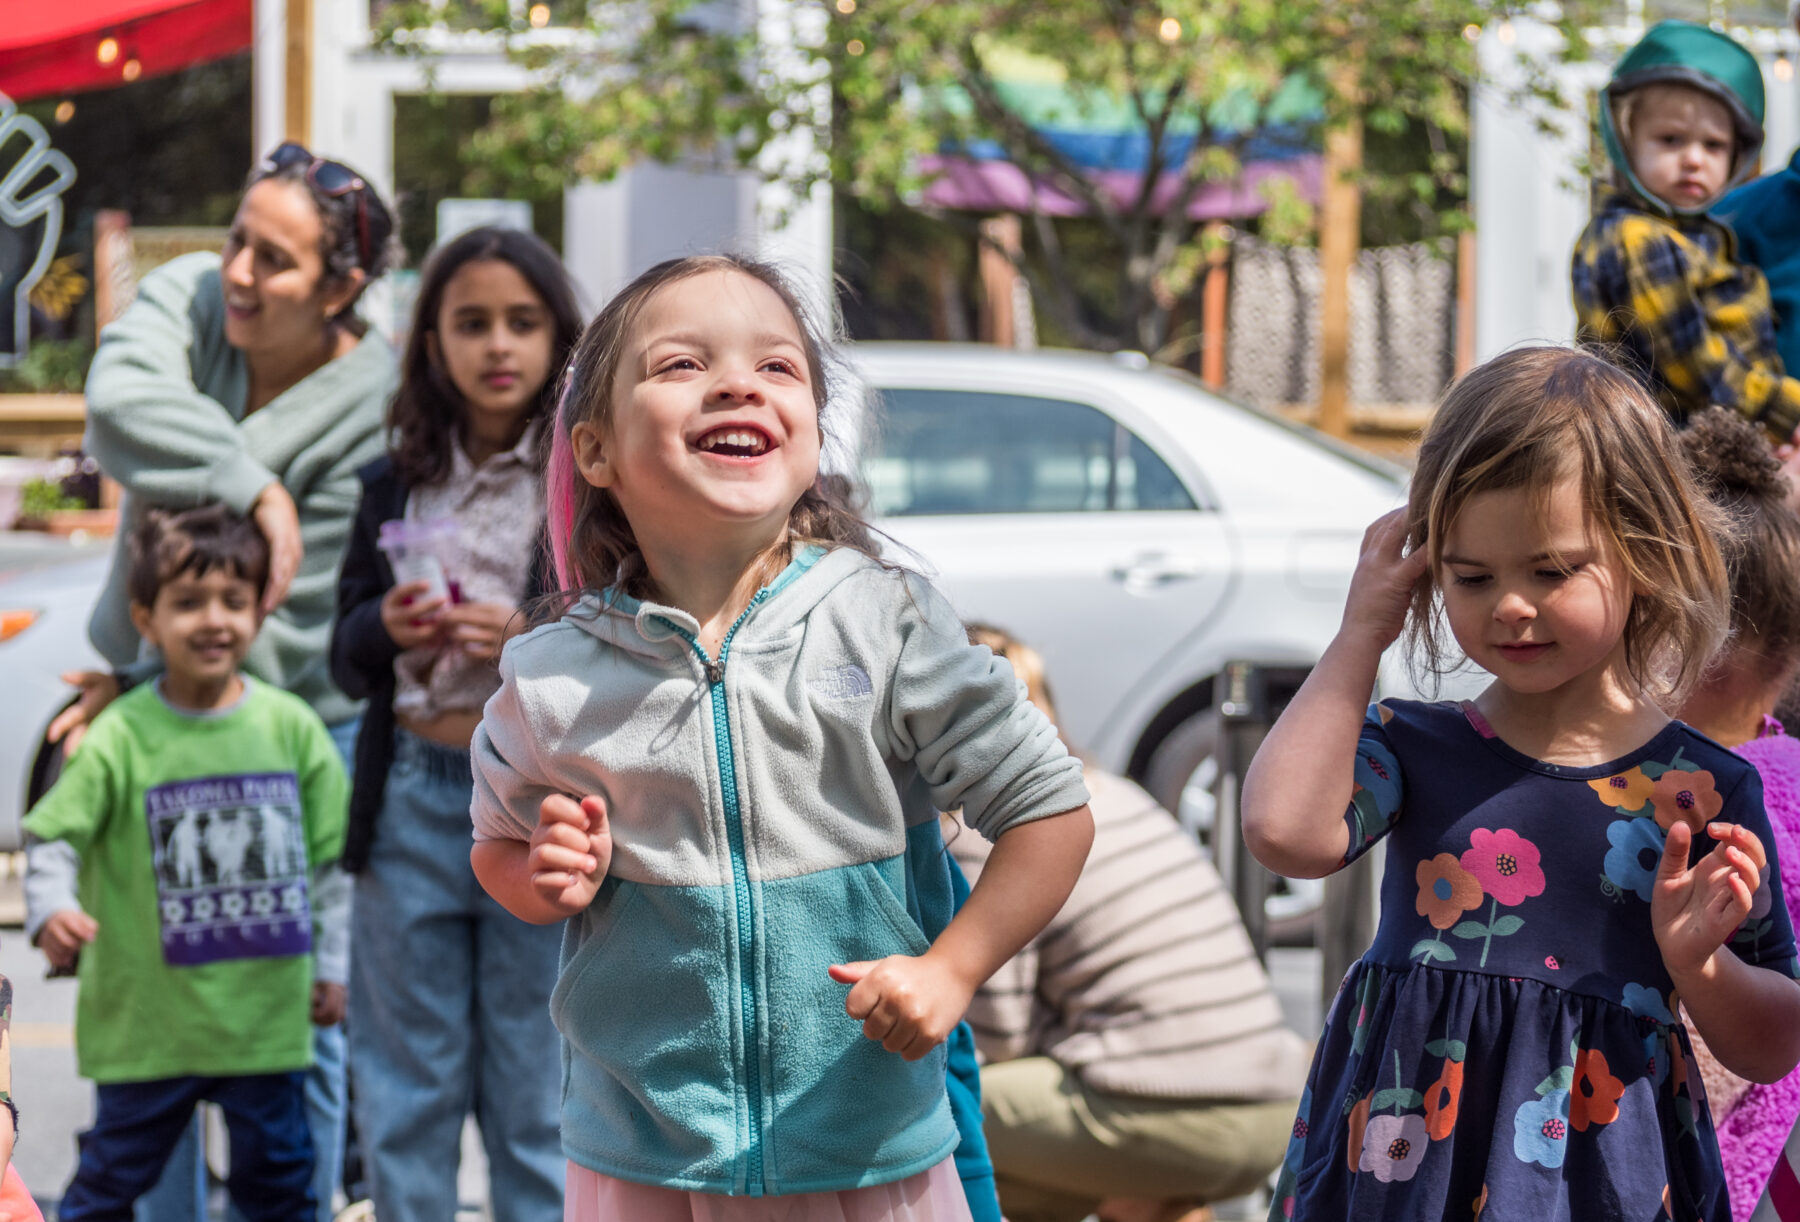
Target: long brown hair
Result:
[[1536, 416], [428, 414], [591, 542]]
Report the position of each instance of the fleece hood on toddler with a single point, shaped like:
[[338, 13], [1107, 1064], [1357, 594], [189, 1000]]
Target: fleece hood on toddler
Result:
[[1682, 53]]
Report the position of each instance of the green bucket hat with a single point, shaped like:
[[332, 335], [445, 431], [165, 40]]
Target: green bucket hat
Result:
[[1680, 52]]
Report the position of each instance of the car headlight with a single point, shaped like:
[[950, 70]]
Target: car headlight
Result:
[[16, 620]]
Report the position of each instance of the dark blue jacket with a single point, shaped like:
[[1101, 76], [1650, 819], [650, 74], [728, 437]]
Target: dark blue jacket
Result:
[[1765, 215]]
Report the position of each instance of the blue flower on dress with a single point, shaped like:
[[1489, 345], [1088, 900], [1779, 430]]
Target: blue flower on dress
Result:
[[1646, 1002], [1637, 846], [1541, 1129]]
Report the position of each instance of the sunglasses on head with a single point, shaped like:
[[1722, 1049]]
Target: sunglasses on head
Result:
[[332, 179]]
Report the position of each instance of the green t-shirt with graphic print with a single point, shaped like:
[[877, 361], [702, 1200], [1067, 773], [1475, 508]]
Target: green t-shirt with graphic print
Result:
[[198, 836]]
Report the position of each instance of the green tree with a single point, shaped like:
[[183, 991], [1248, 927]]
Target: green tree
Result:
[[859, 94]]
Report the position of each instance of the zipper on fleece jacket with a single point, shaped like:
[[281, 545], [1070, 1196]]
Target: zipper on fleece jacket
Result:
[[740, 881]]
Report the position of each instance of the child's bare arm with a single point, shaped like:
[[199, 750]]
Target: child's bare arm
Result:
[[1302, 777], [1749, 1016], [910, 1003], [555, 874]]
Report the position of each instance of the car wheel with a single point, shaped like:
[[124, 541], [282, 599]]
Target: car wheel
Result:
[[1183, 775]]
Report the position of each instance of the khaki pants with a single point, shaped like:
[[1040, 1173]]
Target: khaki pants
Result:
[[1059, 1149]]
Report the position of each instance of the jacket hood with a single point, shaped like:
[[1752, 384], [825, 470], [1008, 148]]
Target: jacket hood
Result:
[[655, 630], [1680, 52]]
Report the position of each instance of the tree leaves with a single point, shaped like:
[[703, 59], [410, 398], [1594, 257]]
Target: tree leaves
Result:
[[857, 95]]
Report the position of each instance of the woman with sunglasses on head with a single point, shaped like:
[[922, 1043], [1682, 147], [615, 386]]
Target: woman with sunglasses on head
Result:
[[246, 377]]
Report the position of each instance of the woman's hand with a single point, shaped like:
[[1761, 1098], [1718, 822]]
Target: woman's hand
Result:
[[275, 515], [64, 934], [1381, 589], [1694, 909], [571, 851], [909, 1004], [480, 629], [410, 618], [98, 689]]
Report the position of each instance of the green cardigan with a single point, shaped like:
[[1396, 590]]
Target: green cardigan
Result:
[[165, 417]]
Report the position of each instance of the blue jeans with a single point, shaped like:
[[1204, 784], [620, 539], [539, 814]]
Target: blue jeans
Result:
[[449, 1010], [138, 1124], [180, 1195]]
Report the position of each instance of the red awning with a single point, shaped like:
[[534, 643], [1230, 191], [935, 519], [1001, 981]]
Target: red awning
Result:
[[70, 45]]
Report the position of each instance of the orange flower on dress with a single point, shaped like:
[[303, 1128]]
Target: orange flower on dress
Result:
[[1446, 890], [1685, 796], [1625, 790], [1441, 1098], [1594, 1097], [1359, 1120], [1480, 1203]]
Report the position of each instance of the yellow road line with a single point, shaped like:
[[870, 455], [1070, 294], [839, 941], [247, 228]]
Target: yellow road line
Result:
[[43, 1035]]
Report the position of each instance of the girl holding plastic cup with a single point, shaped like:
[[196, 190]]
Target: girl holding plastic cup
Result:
[[445, 550]]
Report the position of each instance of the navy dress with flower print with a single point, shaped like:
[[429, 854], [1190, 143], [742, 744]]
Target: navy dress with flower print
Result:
[[1508, 1048]]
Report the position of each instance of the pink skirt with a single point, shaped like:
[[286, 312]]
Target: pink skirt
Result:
[[935, 1195]]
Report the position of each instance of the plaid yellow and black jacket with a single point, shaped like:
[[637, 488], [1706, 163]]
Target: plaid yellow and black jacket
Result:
[[1698, 323]]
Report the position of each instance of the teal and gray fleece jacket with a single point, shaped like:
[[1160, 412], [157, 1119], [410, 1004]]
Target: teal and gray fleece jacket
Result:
[[165, 417], [760, 804]]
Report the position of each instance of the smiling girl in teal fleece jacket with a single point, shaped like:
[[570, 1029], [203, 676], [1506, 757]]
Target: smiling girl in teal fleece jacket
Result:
[[712, 763]]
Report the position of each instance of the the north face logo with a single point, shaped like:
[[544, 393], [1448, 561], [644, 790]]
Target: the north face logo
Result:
[[844, 682]]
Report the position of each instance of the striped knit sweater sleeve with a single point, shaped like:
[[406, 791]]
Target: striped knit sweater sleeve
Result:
[[1145, 984]]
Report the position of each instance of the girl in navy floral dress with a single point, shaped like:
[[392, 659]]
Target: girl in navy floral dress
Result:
[[1566, 867]]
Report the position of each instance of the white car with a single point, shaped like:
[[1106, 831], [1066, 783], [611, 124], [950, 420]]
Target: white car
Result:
[[47, 592], [1138, 529]]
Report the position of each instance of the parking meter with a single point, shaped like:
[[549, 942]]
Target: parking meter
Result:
[[1251, 695]]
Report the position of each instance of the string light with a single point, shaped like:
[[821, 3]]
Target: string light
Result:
[[65, 110], [1472, 32], [539, 16], [132, 70], [107, 51], [855, 46], [1784, 68], [1169, 30], [846, 7], [1506, 33]]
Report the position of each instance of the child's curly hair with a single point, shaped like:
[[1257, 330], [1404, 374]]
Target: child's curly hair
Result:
[[1733, 463], [1537, 416]]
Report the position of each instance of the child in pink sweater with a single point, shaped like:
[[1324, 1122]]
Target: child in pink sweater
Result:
[[1733, 705]]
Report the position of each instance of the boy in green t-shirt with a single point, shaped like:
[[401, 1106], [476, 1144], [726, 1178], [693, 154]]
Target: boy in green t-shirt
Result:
[[208, 810]]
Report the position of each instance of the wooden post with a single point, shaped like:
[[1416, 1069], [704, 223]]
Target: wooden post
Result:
[[115, 278], [1465, 303], [1213, 296], [998, 278], [1340, 224], [297, 94]]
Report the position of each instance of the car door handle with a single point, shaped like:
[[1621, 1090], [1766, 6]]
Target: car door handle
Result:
[[1155, 569]]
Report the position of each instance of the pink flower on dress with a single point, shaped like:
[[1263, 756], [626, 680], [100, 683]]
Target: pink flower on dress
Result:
[[1506, 864]]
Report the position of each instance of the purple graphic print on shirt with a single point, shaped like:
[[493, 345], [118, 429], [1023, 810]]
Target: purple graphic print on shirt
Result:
[[230, 855]]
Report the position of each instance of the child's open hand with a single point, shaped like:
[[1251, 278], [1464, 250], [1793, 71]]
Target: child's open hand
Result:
[[1693, 910], [908, 1003], [1381, 589], [570, 851]]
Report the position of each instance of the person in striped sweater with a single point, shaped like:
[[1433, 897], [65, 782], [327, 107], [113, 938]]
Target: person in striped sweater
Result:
[[1135, 1060]]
